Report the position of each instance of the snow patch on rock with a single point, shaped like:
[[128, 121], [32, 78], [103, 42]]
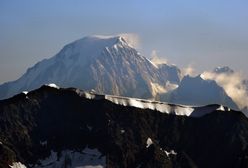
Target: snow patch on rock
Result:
[[17, 165], [221, 108], [87, 95], [148, 142], [53, 85], [171, 152], [25, 92]]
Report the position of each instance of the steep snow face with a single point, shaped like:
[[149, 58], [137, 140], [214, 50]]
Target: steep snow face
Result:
[[197, 91], [87, 158], [153, 105], [107, 64]]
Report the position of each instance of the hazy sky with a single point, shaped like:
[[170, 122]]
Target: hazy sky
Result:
[[204, 34]]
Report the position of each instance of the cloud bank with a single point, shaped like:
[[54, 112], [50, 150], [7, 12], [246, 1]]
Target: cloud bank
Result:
[[233, 84], [156, 59], [189, 70]]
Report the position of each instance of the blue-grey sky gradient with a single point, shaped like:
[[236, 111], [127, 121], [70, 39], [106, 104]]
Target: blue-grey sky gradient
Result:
[[204, 34]]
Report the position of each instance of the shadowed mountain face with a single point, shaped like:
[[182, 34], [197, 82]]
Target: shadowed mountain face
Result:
[[52, 127], [105, 64], [197, 91]]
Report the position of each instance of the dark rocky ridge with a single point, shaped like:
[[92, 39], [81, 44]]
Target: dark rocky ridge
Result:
[[61, 117]]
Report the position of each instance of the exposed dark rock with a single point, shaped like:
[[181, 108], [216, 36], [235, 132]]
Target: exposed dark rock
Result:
[[67, 121]]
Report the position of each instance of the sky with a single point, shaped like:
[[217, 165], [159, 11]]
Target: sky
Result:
[[197, 33]]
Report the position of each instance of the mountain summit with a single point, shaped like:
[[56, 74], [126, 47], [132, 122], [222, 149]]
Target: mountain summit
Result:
[[106, 64]]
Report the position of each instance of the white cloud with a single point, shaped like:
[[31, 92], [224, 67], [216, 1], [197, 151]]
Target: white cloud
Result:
[[232, 84], [189, 70], [132, 39], [158, 89], [156, 59]]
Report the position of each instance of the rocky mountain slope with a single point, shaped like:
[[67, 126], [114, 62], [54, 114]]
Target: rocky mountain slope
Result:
[[52, 127]]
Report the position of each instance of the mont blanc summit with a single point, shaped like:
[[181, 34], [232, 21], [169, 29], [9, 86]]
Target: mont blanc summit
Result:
[[105, 64]]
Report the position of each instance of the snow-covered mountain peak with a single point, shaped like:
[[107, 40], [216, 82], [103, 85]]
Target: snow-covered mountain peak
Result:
[[102, 41], [83, 51], [92, 45], [107, 64]]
